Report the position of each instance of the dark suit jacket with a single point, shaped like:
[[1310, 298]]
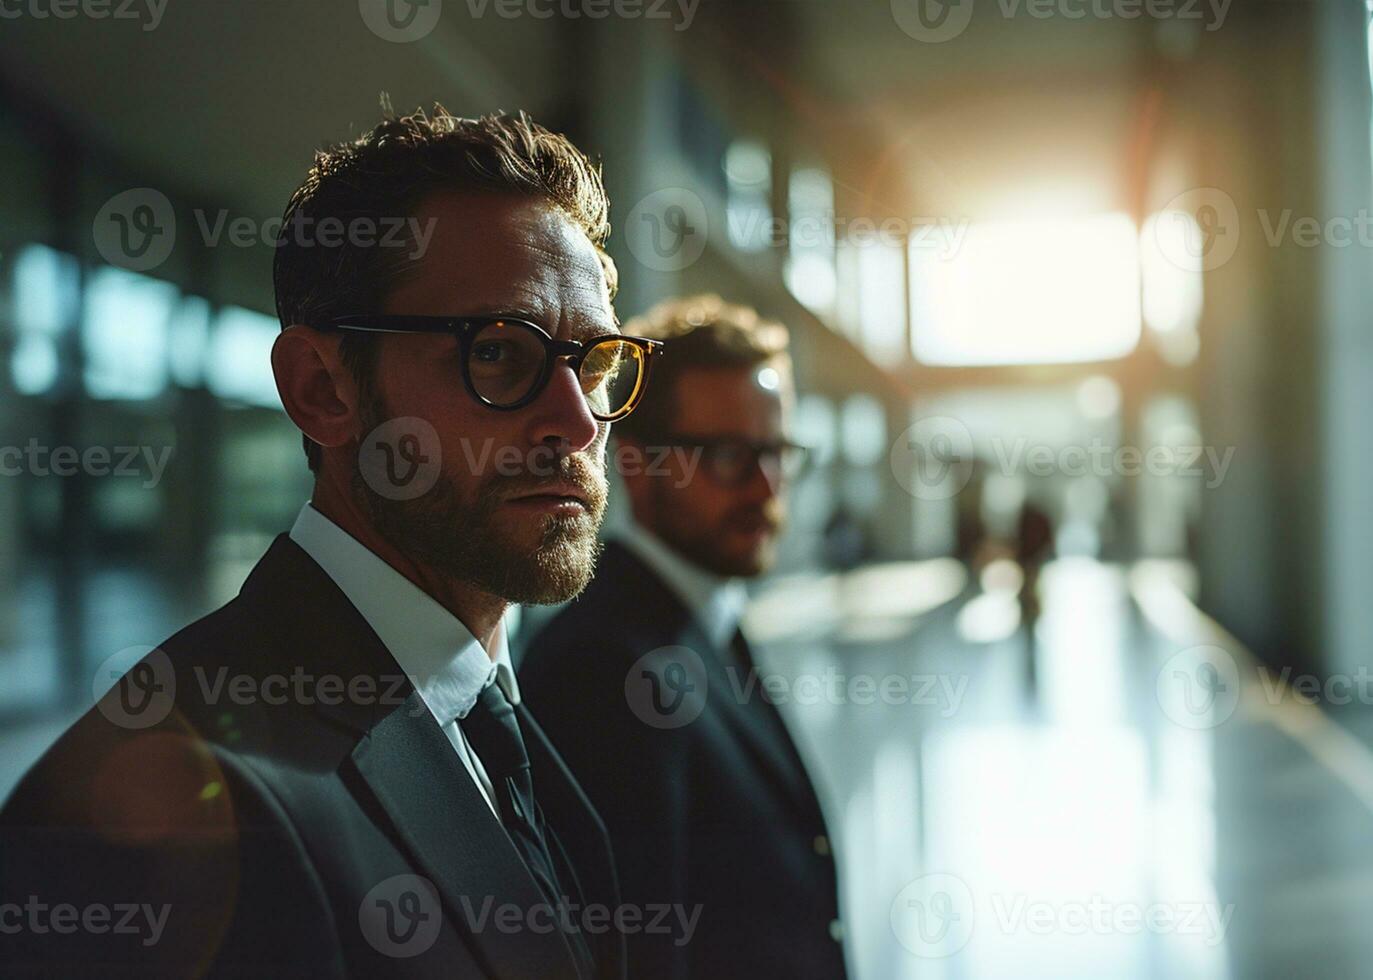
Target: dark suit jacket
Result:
[[316, 830], [718, 812]]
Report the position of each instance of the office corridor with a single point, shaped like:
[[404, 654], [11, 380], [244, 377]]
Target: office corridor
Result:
[[1137, 800]]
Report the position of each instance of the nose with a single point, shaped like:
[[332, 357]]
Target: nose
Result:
[[562, 418], [765, 480]]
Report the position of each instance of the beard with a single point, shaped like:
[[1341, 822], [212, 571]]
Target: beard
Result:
[[466, 541], [708, 551]]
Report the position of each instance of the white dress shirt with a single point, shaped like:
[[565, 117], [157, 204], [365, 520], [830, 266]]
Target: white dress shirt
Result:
[[444, 661], [715, 601]]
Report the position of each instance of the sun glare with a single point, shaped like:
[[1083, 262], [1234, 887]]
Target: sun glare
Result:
[[1038, 291]]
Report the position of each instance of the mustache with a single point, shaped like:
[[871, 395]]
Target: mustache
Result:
[[576, 471], [770, 515]]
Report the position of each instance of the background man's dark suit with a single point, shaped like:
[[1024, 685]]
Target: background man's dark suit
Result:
[[718, 812], [266, 828]]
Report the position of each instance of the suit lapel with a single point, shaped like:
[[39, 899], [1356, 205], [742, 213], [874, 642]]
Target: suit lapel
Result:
[[570, 813], [769, 716], [408, 766], [572, 819], [439, 812], [735, 691]]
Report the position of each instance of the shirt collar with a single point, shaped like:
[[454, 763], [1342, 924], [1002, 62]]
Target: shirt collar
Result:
[[444, 661], [717, 602]]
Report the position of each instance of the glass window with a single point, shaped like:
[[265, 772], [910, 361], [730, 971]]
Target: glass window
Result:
[[125, 334], [188, 341], [1172, 291], [814, 427], [1029, 292], [809, 269], [240, 364], [882, 301], [748, 173], [46, 284], [863, 430]]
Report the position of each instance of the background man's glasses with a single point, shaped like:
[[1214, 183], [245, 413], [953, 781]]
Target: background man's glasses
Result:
[[507, 362], [731, 462]]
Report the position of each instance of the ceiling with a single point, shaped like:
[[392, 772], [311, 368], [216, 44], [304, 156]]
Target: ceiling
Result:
[[229, 99]]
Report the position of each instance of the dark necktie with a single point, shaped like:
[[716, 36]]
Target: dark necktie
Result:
[[741, 651], [493, 731]]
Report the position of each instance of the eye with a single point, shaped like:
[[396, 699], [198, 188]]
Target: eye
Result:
[[493, 351]]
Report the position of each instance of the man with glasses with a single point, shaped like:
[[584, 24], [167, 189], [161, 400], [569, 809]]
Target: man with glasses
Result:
[[334, 775], [648, 684]]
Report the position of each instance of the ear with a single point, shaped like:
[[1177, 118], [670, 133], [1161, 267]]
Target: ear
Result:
[[317, 391]]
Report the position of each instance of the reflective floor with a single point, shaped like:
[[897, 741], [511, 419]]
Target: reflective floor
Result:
[[1127, 798]]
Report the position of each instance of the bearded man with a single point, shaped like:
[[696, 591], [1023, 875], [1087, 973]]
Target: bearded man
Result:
[[333, 775]]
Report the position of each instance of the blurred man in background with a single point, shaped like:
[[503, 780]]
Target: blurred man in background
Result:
[[333, 775], [648, 683]]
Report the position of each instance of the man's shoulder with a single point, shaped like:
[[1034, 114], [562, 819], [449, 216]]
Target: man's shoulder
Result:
[[602, 631], [579, 646], [625, 601], [218, 664], [159, 791], [185, 719], [577, 665]]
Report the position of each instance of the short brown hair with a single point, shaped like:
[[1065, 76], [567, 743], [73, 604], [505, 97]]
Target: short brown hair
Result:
[[699, 332], [385, 174]]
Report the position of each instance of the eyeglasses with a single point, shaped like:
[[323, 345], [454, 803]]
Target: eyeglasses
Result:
[[730, 462], [507, 362]]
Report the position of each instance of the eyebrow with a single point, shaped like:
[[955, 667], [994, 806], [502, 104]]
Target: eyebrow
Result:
[[580, 329]]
